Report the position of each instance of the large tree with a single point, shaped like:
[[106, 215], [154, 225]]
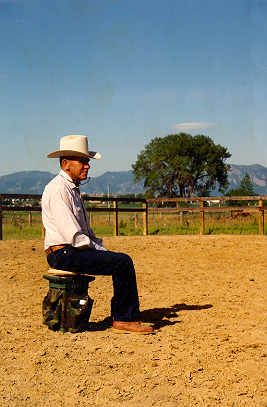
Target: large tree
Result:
[[180, 165]]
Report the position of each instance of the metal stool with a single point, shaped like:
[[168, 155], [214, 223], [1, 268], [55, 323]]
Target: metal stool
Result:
[[67, 305]]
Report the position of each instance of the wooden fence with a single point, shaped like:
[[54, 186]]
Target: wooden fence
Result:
[[145, 209], [203, 201]]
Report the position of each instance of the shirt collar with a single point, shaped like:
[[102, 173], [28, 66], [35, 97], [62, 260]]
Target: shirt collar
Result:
[[68, 179]]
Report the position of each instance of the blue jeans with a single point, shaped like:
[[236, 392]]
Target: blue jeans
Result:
[[125, 302]]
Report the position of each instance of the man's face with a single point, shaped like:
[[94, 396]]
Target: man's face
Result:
[[77, 168]]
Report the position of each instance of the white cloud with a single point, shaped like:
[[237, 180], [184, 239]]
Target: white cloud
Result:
[[183, 127]]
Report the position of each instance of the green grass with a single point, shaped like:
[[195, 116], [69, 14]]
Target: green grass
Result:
[[11, 232], [18, 226], [233, 230]]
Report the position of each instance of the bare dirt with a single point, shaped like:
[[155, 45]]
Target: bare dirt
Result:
[[205, 297]]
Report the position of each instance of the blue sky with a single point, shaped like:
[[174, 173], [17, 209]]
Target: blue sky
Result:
[[125, 71]]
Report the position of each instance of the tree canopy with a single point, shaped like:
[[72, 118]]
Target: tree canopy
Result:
[[182, 165]]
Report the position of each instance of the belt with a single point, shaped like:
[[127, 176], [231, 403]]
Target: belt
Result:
[[52, 249]]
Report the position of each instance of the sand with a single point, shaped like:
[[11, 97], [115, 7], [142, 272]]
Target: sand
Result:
[[204, 295]]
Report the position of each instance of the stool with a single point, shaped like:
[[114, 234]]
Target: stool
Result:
[[67, 305]]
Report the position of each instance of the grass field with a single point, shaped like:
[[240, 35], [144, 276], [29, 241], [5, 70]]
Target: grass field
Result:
[[21, 225]]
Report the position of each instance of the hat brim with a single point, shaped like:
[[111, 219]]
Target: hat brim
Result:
[[69, 153]]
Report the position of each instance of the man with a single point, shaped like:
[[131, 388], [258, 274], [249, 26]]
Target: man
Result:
[[70, 243]]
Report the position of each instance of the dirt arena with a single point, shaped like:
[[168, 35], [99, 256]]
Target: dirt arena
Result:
[[205, 297]]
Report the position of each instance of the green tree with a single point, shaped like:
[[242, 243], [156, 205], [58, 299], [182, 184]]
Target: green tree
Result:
[[180, 165], [246, 186], [246, 189]]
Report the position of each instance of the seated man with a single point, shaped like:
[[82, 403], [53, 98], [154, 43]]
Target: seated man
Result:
[[70, 243]]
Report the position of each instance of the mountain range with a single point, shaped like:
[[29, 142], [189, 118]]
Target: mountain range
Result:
[[34, 182], [120, 183]]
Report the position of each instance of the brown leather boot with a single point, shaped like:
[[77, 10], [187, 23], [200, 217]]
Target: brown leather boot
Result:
[[133, 327]]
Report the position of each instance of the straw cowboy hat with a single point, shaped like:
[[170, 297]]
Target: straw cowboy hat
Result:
[[76, 146]]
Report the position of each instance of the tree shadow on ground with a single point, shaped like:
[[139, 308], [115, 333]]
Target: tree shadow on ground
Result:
[[157, 317], [160, 317]]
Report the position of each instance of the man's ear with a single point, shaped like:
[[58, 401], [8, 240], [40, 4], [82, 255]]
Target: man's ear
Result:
[[65, 165]]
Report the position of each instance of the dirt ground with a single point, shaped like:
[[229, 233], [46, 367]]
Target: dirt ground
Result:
[[204, 295]]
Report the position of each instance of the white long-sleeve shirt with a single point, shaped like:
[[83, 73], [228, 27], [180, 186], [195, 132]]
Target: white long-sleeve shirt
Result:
[[64, 216]]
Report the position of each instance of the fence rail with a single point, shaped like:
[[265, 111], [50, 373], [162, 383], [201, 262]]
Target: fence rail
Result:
[[115, 209]]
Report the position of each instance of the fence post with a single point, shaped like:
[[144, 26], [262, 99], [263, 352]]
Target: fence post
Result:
[[261, 218], [1, 220], [136, 220], [30, 219], [145, 223], [115, 217], [201, 218]]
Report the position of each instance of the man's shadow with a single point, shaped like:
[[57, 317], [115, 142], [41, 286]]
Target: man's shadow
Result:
[[160, 317], [157, 317]]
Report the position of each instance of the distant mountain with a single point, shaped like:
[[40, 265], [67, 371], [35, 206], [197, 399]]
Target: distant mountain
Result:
[[115, 182], [25, 182], [257, 173], [33, 182]]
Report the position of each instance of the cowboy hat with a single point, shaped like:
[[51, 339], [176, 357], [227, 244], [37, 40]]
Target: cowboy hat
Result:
[[76, 146]]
